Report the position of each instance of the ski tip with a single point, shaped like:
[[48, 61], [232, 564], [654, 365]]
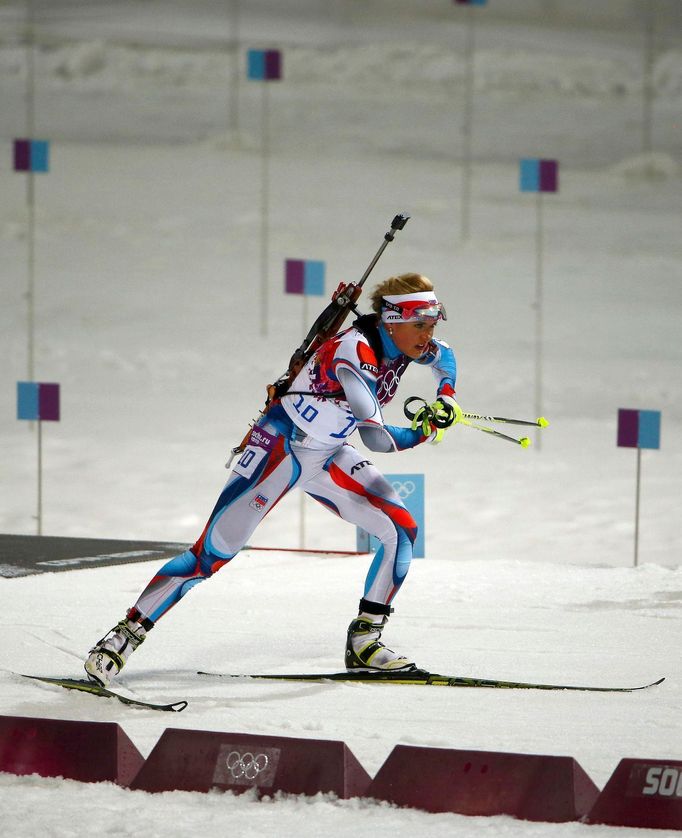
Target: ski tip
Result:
[[646, 686]]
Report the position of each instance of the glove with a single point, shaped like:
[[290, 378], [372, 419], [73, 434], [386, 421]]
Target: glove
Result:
[[434, 419], [446, 412]]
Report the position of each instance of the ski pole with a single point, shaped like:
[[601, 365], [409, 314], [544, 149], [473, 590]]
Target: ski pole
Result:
[[431, 416], [524, 442], [540, 422]]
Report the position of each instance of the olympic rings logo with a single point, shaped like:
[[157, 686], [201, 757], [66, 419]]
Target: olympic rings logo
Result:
[[389, 380], [237, 767], [246, 765], [388, 384], [403, 488]]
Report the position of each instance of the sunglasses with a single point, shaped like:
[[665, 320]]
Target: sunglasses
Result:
[[417, 310]]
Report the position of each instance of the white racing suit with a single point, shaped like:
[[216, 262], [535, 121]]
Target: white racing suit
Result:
[[302, 441]]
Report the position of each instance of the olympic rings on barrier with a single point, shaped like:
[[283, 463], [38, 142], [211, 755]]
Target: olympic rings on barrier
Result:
[[246, 765]]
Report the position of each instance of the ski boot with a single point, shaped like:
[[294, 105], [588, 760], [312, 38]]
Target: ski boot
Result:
[[109, 655], [364, 649]]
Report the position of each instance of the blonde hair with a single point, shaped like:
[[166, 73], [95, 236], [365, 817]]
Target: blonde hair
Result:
[[402, 284]]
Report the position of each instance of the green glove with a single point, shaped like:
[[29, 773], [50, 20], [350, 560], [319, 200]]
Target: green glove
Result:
[[446, 412], [434, 419]]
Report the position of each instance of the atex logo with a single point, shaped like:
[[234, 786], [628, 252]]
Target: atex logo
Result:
[[662, 781]]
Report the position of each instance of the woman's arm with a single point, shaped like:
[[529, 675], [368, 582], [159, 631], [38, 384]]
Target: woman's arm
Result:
[[360, 392]]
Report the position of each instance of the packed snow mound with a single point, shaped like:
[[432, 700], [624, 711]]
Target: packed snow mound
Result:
[[382, 67], [648, 166], [535, 72], [80, 61]]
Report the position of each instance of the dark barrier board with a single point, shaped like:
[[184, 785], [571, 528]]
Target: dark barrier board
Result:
[[91, 752], [26, 555], [528, 786], [645, 793], [203, 760]]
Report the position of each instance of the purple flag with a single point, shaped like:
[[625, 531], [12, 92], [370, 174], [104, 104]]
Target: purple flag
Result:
[[22, 156], [49, 402], [294, 273]]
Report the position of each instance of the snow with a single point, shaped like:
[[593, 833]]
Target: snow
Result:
[[147, 312]]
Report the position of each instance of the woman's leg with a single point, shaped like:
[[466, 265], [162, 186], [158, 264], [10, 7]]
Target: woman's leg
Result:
[[355, 489], [264, 474], [253, 489], [352, 487]]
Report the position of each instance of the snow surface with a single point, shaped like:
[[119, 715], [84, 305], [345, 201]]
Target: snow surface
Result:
[[148, 259]]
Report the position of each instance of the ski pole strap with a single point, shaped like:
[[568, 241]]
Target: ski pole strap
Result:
[[409, 413], [441, 418]]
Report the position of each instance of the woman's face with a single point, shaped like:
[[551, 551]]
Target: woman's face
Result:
[[412, 339]]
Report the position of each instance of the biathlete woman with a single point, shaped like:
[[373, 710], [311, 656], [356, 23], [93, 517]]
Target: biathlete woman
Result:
[[302, 441]]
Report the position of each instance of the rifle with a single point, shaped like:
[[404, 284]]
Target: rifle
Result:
[[327, 325]]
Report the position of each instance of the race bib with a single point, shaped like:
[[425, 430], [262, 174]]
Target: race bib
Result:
[[257, 449]]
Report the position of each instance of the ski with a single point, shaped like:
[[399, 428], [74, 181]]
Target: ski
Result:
[[102, 692], [420, 677]]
